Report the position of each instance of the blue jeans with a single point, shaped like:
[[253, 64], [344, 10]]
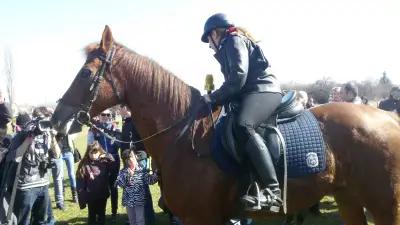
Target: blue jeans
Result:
[[58, 174], [34, 202], [68, 157], [50, 216]]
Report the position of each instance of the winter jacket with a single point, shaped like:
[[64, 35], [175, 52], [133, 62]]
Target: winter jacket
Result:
[[106, 143], [390, 105], [244, 67], [129, 133], [94, 184], [36, 161], [135, 185]]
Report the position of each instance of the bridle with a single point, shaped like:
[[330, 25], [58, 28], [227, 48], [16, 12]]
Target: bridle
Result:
[[83, 117]]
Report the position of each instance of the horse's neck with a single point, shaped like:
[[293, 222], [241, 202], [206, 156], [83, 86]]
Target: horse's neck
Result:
[[155, 104]]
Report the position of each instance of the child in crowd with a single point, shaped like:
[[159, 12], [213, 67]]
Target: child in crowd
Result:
[[133, 178], [93, 175]]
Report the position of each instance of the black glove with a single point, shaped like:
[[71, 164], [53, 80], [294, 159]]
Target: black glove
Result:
[[204, 107]]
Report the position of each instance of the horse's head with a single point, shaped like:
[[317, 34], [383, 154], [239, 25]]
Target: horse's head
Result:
[[92, 90]]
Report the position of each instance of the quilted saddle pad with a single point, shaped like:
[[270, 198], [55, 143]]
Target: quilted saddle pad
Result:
[[305, 147]]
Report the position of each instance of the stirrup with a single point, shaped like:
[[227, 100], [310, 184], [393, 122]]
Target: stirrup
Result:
[[272, 200], [252, 202]]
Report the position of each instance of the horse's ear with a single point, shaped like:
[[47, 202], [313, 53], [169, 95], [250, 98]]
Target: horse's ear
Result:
[[106, 40]]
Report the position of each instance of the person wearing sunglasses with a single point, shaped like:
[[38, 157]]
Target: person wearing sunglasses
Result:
[[106, 122]]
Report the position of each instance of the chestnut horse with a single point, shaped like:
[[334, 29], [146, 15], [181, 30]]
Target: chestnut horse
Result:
[[363, 143]]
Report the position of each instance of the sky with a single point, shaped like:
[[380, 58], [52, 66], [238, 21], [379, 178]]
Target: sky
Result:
[[303, 40]]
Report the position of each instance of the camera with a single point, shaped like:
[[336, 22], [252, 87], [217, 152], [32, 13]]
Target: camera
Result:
[[44, 125], [43, 167], [38, 126]]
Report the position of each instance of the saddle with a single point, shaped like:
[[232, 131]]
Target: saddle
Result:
[[288, 110]]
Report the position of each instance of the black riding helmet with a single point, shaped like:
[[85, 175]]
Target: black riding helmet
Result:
[[218, 20]]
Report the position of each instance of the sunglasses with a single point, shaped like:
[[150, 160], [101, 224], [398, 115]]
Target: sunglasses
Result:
[[106, 114]]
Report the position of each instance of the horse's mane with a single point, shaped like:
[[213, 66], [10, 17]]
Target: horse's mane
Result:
[[147, 75]]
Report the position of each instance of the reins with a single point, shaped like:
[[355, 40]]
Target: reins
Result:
[[83, 118], [190, 117], [131, 143]]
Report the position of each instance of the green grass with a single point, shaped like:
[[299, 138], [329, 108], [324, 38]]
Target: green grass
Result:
[[75, 216]]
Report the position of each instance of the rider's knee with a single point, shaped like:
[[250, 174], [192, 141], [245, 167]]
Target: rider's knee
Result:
[[244, 127]]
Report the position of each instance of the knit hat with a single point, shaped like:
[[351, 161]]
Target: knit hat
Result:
[[22, 119]]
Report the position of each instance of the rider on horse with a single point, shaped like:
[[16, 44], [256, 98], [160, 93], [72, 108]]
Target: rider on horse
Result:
[[251, 92]]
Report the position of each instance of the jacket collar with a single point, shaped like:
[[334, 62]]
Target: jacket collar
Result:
[[218, 54]]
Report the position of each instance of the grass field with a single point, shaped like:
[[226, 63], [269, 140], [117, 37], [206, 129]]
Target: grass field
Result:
[[74, 216]]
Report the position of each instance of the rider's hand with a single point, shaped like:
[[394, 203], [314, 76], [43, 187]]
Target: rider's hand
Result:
[[206, 99], [204, 106]]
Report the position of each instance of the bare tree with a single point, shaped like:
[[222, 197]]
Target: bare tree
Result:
[[9, 75]]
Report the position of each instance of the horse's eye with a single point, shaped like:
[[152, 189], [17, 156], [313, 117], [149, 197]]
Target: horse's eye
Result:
[[85, 73]]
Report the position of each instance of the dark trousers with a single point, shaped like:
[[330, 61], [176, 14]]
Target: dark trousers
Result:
[[149, 214], [33, 202], [113, 189], [174, 220], [253, 110], [97, 211]]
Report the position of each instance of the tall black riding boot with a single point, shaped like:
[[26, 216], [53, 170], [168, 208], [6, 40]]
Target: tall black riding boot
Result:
[[260, 157]]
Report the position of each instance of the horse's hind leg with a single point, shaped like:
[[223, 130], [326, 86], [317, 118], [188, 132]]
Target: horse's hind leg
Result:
[[386, 215], [351, 211]]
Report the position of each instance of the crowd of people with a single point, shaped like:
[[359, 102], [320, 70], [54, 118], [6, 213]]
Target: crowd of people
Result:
[[43, 153], [348, 92]]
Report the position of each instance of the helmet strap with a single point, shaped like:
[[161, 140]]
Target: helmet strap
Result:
[[213, 42]]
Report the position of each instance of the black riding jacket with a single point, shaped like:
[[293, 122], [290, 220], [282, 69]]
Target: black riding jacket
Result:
[[244, 67]]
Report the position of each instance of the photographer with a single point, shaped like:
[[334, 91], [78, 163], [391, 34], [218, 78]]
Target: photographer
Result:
[[32, 196]]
